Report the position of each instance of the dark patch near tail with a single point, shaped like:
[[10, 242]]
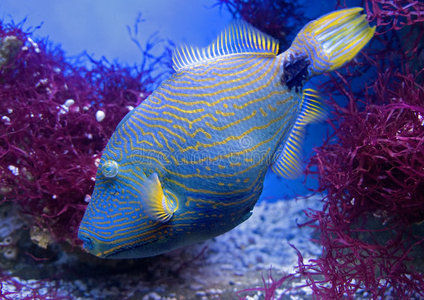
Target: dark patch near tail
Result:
[[295, 72]]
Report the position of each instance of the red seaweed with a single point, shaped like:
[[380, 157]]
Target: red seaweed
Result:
[[51, 130], [394, 15], [374, 180], [56, 117], [371, 168]]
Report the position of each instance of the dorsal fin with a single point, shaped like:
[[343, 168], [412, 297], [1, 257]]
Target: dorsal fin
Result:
[[239, 37], [288, 162]]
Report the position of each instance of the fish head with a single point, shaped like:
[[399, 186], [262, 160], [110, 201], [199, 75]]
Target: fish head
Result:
[[115, 223]]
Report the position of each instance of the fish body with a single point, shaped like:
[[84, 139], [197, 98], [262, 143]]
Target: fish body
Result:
[[189, 162]]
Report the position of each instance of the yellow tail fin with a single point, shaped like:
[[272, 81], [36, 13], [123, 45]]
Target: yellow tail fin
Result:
[[333, 39]]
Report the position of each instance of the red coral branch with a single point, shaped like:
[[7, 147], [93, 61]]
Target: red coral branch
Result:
[[394, 15]]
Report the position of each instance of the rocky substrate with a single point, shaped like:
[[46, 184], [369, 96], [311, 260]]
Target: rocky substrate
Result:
[[215, 269]]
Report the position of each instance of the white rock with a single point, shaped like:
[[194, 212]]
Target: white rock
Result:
[[100, 115], [87, 198], [14, 170], [152, 296], [6, 120], [69, 102]]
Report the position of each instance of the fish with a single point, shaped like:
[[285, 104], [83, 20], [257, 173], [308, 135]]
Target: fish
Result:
[[189, 162]]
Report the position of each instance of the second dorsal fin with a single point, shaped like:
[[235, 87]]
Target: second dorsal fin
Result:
[[239, 37]]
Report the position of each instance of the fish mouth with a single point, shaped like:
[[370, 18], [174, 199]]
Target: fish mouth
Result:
[[99, 249], [86, 240], [88, 244]]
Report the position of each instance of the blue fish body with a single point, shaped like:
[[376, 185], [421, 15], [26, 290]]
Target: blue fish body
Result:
[[189, 162]]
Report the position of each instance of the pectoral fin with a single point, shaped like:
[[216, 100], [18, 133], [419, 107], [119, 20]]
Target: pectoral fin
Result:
[[156, 204]]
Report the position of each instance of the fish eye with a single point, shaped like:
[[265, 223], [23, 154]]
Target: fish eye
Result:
[[110, 168]]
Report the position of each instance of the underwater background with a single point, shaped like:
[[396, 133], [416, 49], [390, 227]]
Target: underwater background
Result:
[[358, 240]]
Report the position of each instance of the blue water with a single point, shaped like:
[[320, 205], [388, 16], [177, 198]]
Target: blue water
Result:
[[99, 27]]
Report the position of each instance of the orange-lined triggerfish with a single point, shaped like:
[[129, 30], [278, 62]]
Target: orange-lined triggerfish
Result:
[[189, 162]]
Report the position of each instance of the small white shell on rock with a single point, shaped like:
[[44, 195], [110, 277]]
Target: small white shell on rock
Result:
[[87, 198], [69, 102], [6, 120], [100, 115], [97, 162], [14, 170]]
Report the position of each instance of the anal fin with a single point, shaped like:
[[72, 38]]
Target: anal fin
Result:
[[288, 162]]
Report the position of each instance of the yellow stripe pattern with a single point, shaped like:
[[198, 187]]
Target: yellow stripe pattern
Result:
[[209, 138], [191, 159]]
